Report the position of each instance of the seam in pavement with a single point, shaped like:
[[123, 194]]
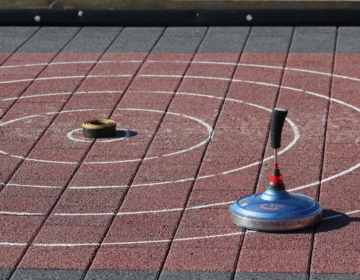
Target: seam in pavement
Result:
[[30, 150], [204, 152], [197, 171], [242, 236], [324, 146], [8, 109], [138, 167], [26, 88], [15, 51], [78, 165], [266, 141]]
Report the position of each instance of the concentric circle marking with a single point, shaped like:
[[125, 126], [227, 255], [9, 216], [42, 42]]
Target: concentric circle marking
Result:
[[208, 127], [117, 137], [234, 170]]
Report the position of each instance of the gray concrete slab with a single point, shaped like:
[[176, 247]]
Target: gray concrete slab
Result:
[[224, 40], [334, 276], [37, 274], [14, 37], [124, 275], [270, 276], [348, 40], [313, 40], [195, 275], [269, 40], [49, 39], [5, 273], [180, 40], [136, 39], [92, 39]]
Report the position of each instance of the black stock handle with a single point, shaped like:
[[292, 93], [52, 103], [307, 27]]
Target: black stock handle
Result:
[[278, 116]]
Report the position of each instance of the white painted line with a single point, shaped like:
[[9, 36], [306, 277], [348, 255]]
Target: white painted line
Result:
[[148, 158], [181, 76], [264, 66], [318, 95], [69, 62], [293, 142], [258, 106], [340, 215], [345, 104], [116, 138], [200, 95], [150, 212], [209, 236], [291, 88], [299, 90], [146, 212], [352, 212], [161, 76], [20, 157], [49, 161], [207, 176], [12, 244], [327, 179], [20, 213], [261, 66], [160, 241], [98, 187], [81, 110], [236, 100], [108, 76], [210, 205], [162, 183], [62, 93], [71, 111], [261, 107], [84, 214], [235, 170], [64, 77], [331, 217], [208, 127], [38, 95], [136, 242], [19, 119], [111, 162], [257, 83], [4, 153], [152, 91], [305, 186], [66, 245], [36, 186], [99, 91], [142, 110], [156, 241], [164, 61], [210, 132]]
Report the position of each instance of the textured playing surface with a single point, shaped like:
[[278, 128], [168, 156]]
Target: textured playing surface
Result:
[[192, 107]]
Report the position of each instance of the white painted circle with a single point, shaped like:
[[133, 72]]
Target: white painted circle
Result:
[[249, 17], [117, 138], [224, 203], [207, 126], [37, 18], [214, 78]]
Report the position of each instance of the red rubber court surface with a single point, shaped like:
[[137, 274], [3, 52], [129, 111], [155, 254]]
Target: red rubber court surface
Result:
[[192, 107]]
